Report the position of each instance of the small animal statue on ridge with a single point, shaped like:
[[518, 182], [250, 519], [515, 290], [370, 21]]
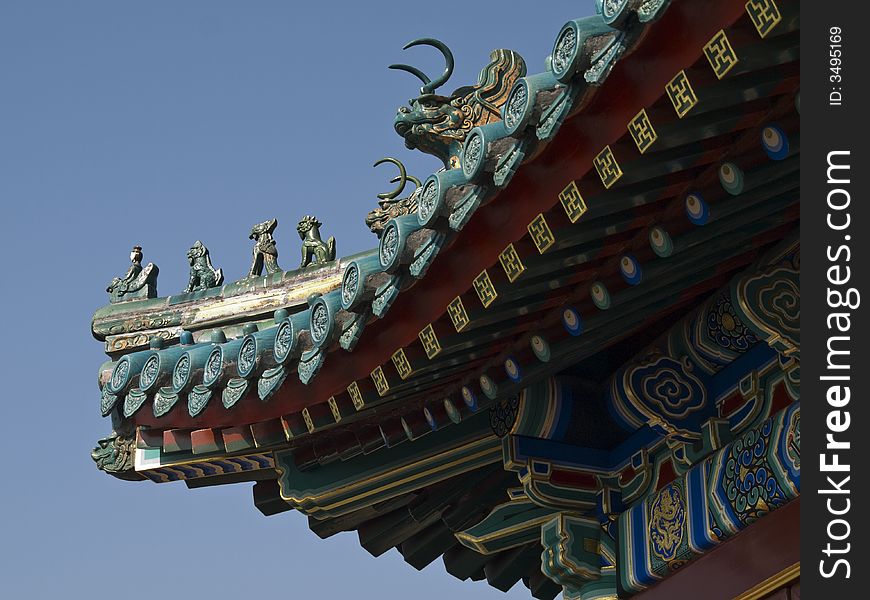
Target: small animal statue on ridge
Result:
[[202, 274], [265, 249], [314, 249], [139, 282], [388, 206]]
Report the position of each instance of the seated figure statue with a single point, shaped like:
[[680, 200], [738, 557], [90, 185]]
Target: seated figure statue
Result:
[[139, 282]]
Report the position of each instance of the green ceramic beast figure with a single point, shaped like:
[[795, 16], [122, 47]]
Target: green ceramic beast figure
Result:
[[438, 124], [114, 454], [390, 205], [314, 249], [265, 249], [202, 274]]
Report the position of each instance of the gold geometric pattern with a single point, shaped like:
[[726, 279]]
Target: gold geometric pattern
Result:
[[607, 167], [642, 131], [511, 263], [309, 422], [484, 288], [720, 54], [681, 94], [430, 341], [541, 234], [356, 396], [765, 15], [333, 406], [572, 202], [380, 380], [456, 311], [402, 364]]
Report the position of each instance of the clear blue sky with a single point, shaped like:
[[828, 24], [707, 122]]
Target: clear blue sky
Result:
[[158, 123]]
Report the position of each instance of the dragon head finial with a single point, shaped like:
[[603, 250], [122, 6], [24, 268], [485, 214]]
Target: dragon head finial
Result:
[[438, 124], [402, 178], [390, 205]]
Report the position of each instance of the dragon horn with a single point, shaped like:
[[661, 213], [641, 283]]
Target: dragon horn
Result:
[[413, 71], [429, 86], [410, 178], [402, 179]]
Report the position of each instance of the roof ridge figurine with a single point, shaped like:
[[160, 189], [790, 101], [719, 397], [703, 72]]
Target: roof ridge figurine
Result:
[[203, 275], [265, 253], [438, 124], [314, 249], [388, 206], [114, 454], [139, 282]]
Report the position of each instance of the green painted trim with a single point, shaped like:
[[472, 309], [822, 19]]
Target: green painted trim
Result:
[[345, 486], [509, 525]]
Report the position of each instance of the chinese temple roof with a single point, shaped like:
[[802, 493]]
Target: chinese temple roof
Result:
[[581, 211]]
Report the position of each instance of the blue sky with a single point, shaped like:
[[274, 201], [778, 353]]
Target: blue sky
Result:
[[159, 123]]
